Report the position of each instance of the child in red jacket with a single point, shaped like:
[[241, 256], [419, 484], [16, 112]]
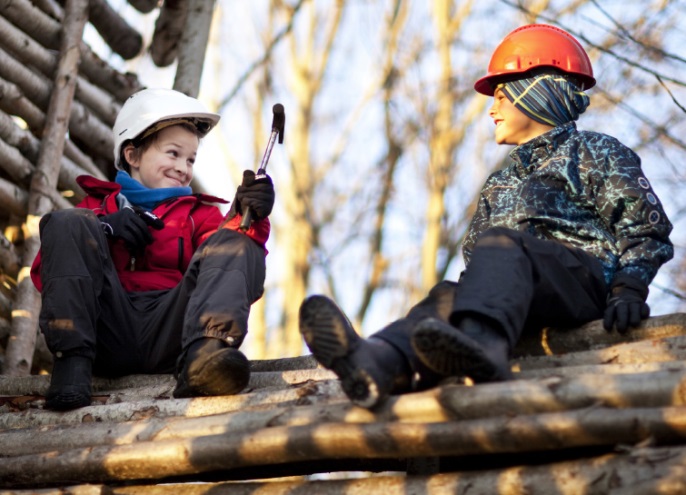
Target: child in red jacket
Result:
[[144, 276]]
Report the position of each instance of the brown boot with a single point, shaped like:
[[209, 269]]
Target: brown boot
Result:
[[210, 367]]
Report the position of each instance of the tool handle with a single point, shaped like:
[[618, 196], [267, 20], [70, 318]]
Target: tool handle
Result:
[[278, 124]]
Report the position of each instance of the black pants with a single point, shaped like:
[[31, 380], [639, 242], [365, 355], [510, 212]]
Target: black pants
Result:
[[86, 311], [515, 281]]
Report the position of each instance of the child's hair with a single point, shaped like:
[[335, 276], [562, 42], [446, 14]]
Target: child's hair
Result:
[[146, 140]]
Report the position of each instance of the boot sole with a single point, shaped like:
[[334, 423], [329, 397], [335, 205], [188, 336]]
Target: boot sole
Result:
[[329, 337], [66, 401], [452, 353], [224, 372]]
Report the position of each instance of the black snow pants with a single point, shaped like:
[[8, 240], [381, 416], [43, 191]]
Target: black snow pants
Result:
[[515, 281], [86, 311]]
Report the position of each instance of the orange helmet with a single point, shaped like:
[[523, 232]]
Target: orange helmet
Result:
[[537, 45]]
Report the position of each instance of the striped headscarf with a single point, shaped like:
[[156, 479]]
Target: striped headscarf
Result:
[[547, 98]]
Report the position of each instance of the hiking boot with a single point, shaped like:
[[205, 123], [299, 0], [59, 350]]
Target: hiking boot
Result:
[[70, 384], [474, 349], [369, 370], [210, 367]]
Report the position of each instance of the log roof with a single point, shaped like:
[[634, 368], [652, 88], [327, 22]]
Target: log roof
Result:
[[589, 412]]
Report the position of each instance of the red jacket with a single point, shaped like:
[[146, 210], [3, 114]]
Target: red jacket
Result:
[[188, 221]]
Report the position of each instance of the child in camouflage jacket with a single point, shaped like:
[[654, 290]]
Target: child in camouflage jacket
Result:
[[568, 232]]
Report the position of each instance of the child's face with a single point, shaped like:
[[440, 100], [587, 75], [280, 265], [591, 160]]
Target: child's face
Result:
[[168, 162], [512, 126]]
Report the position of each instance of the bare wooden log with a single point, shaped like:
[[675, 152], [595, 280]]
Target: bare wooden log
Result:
[[266, 379], [658, 350], [436, 405], [50, 7], [74, 163], [82, 161], [31, 83], [284, 364], [46, 30], [193, 45], [527, 397], [19, 138], [21, 170], [9, 260], [102, 75], [38, 385], [82, 123], [103, 105], [4, 321], [307, 393], [13, 198], [593, 336], [161, 459], [168, 28], [14, 164], [30, 52], [13, 102], [646, 471], [117, 33], [22, 343], [32, 21], [22, 441], [599, 369]]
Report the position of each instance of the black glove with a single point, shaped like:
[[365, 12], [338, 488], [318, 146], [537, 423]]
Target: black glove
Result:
[[256, 194], [131, 225], [626, 304]]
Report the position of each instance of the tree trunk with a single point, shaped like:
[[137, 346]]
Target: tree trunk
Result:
[[22, 342], [193, 45]]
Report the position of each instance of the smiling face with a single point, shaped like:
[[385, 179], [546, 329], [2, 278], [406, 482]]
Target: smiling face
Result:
[[168, 161], [512, 126]]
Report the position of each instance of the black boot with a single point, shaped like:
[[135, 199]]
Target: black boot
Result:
[[210, 367], [70, 384], [369, 370], [474, 349]]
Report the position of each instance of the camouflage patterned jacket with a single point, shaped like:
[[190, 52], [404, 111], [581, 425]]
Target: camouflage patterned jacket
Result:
[[584, 189]]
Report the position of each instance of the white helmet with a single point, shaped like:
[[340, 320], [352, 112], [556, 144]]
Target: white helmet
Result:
[[142, 110]]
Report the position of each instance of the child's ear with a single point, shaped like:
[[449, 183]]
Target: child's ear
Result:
[[130, 155]]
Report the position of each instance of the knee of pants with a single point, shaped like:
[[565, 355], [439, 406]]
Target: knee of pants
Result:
[[443, 289], [227, 242], [230, 250], [64, 221]]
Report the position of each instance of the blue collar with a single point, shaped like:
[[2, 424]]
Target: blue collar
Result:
[[147, 198]]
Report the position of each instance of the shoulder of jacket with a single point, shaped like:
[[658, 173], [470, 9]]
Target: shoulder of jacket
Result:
[[97, 187]]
